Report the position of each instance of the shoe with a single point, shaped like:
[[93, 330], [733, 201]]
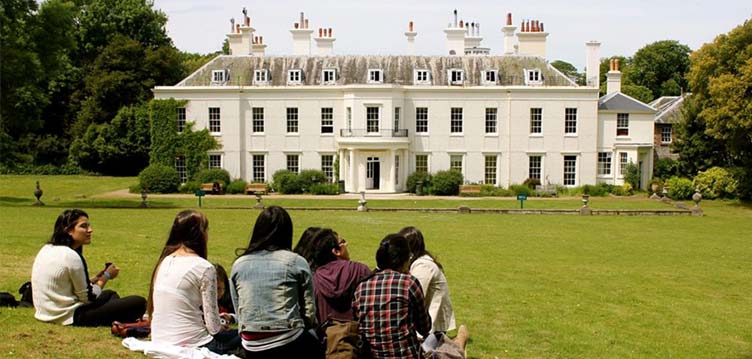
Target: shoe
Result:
[[462, 335]]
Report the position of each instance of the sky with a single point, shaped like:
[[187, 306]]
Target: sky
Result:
[[377, 27]]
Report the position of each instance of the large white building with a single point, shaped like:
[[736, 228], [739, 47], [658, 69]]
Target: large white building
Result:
[[499, 119]]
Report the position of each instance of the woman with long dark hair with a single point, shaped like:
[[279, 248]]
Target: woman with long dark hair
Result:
[[183, 292], [272, 290], [62, 290]]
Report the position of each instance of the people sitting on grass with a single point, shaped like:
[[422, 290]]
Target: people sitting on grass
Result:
[[224, 299], [183, 293], [62, 290], [272, 289], [305, 244], [430, 274], [390, 305]]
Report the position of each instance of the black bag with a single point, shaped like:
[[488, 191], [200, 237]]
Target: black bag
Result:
[[7, 300], [26, 299]]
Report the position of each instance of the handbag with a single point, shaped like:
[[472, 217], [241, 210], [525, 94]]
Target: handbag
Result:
[[343, 340], [140, 329]]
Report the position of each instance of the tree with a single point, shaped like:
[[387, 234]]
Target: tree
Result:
[[570, 71], [628, 88], [661, 67], [697, 150]]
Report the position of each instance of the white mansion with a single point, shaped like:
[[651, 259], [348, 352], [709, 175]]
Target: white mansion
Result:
[[499, 119]]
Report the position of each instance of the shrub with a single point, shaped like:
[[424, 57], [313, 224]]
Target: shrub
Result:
[[521, 189], [308, 178], [190, 187], [532, 182], [665, 168], [286, 182], [598, 190], [413, 178], [716, 182], [323, 188], [29, 169], [236, 186], [212, 175], [158, 178], [679, 188], [446, 183], [632, 175]]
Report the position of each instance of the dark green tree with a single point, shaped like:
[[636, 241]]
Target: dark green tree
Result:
[[661, 67], [570, 71]]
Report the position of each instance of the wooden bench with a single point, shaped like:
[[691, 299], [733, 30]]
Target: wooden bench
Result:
[[255, 188], [470, 189], [212, 187]]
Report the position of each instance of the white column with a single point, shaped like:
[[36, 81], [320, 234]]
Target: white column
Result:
[[392, 187], [351, 182]]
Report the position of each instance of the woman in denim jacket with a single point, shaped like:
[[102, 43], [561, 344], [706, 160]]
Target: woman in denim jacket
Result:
[[272, 291]]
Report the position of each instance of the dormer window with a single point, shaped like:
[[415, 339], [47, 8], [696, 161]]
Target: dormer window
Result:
[[375, 76], [422, 77], [456, 76], [489, 77], [294, 77], [261, 77], [533, 77], [220, 76], [328, 76]]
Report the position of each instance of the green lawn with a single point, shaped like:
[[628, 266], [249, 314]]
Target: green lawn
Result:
[[527, 286]]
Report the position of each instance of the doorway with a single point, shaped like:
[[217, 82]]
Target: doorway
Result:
[[373, 173]]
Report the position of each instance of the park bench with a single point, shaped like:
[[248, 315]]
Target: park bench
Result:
[[212, 187], [547, 190], [470, 189], [255, 188]]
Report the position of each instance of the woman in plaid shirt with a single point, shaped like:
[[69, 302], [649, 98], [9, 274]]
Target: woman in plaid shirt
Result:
[[390, 305]]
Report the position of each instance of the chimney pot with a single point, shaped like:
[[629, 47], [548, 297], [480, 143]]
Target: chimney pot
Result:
[[301, 18], [410, 26], [321, 32], [296, 26], [509, 19], [237, 28], [541, 27], [232, 25], [261, 39], [330, 32], [306, 24], [247, 21], [462, 23]]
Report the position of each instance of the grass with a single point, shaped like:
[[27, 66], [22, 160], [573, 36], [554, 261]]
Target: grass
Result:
[[527, 286]]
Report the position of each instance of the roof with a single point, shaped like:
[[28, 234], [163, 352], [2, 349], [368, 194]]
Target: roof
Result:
[[398, 70], [618, 101], [669, 108]]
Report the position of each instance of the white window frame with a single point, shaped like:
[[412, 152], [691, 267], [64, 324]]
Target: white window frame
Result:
[[292, 162], [181, 117], [181, 168], [493, 74], [456, 120], [428, 161], [422, 77], [533, 77], [396, 169], [257, 120], [215, 124], [530, 167], [261, 77], [495, 164], [492, 121], [329, 76], [327, 120], [254, 157], [574, 168], [570, 121], [536, 130], [397, 119], [327, 166], [220, 77], [453, 158], [664, 134], [378, 120], [456, 80], [373, 73], [294, 77], [419, 127], [604, 164], [220, 160], [623, 163], [622, 123], [348, 119], [289, 122]]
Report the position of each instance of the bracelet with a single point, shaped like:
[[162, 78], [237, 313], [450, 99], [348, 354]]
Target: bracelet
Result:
[[107, 275]]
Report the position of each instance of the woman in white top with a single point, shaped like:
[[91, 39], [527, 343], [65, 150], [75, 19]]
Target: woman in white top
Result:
[[183, 293], [62, 291]]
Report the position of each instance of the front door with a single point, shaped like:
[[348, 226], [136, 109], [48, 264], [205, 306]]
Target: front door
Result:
[[373, 169]]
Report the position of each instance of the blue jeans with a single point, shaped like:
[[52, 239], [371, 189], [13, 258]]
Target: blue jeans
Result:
[[224, 342]]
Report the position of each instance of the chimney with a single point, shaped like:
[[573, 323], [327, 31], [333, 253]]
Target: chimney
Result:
[[474, 39], [508, 31], [259, 48], [593, 64], [410, 34], [325, 42], [455, 37], [234, 38], [532, 39], [613, 78], [301, 37]]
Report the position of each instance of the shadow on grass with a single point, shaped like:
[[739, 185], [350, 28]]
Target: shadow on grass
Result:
[[15, 200], [118, 203]]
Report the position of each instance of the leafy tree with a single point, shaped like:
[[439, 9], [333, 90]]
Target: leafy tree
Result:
[[697, 150], [661, 67], [192, 62], [570, 71], [628, 87]]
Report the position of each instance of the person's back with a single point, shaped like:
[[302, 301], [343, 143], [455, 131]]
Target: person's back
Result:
[[54, 269], [334, 284]]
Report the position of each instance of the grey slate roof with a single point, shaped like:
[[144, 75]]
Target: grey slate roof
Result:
[[397, 70], [618, 101], [669, 108]]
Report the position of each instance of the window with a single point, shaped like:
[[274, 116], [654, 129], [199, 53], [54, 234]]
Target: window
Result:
[[396, 118], [180, 167], [623, 162], [292, 120], [258, 168], [456, 120], [327, 120], [622, 124], [421, 163], [536, 120], [294, 77], [422, 77], [327, 166], [396, 170], [293, 163], [328, 76], [491, 120], [214, 120], [181, 119], [219, 76], [455, 163], [533, 77], [372, 119], [215, 161], [604, 163], [258, 119], [570, 170], [489, 77], [534, 167], [348, 114], [421, 120], [261, 77], [570, 120], [490, 173], [375, 76], [456, 76], [666, 134]]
